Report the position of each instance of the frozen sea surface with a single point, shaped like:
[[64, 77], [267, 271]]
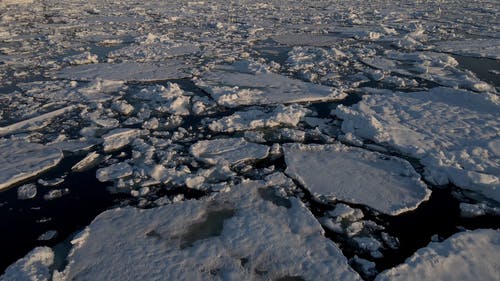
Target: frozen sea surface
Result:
[[373, 126]]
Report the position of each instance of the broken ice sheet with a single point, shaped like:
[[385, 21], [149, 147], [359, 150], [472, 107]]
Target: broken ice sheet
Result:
[[232, 150], [238, 235], [387, 184], [21, 160], [468, 256], [454, 133], [239, 84], [127, 71]]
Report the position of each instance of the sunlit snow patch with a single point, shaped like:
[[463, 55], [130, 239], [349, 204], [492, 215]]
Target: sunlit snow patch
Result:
[[238, 235], [20, 160], [127, 71], [467, 256], [238, 84], [454, 133], [387, 184]]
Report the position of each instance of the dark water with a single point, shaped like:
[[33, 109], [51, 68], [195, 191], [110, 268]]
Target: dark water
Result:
[[482, 67], [18, 218]]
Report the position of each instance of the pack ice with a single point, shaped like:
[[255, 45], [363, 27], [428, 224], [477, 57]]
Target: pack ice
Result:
[[249, 233], [453, 132], [387, 184]]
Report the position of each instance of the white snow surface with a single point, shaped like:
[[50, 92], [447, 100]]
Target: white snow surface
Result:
[[385, 183], [255, 119], [238, 84], [20, 160], [454, 133], [232, 150], [467, 256], [126, 71], [33, 267], [252, 236]]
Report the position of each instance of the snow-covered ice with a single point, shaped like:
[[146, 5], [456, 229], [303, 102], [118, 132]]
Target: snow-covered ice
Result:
[[20, 160], [385, 183], [454, 133], [126, 71], [33, 267], [255, 119], [232, 150], [237, 235], [237, 85], [468, 256]]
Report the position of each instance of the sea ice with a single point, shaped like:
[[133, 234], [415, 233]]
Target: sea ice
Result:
[[238, 85], [114, 171], [471, 47], [119, 138], [232, 150], [239, 235], [385, 183], [453, 132], [254, 119], [20, 160], [33, 267], [468, 256], [127, 71], [26, 191]]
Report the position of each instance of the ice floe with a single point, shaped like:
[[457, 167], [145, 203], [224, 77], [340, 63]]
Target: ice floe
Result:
[[33, 267], [254, 119], [453, 132], [232, 150], [385, 183], [242, 234], [468, 256], [488, 48], [127, 71], [21, 160], [239, 84]]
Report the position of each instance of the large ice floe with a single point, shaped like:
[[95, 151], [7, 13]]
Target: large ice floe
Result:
[[453, 132], [21, 160], [35, 266], [387, 184], [468, 256], [246, 84], [126, 71], [246, 234]]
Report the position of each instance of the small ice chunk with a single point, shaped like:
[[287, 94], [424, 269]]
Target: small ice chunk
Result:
[[367, 267], [385, 183], [83, 58], [113, 172], [35, 266], [232, 150], [370, 245], [471, 210], [49, 235], [27, 191]]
